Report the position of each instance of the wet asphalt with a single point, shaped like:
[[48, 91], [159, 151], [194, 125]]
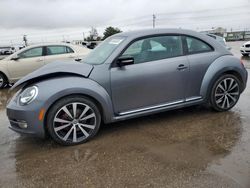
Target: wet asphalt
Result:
[[191, 147]]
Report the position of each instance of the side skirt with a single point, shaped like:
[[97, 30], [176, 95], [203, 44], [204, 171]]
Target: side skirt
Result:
[[159, 108]]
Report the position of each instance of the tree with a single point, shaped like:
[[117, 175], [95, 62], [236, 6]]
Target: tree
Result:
[[109, 31]]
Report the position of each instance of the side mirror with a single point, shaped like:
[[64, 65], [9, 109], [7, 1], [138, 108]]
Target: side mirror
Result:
[[15, 58], [125, 60]]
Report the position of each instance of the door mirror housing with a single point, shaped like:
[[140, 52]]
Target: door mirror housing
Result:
[[15, 58], [125, 60]]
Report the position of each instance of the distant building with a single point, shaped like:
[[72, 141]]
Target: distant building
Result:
[[216, 31], [237, 35]]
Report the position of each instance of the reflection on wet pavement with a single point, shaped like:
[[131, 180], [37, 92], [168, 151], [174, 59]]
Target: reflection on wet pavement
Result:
[[192, 147]]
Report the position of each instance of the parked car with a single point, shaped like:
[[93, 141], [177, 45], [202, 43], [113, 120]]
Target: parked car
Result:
[[28, 59], [245, 49], [221, 40], [6, 51], [130, 74]]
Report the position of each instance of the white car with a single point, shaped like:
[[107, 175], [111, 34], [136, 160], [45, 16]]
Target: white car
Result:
[[28, 59], [245, 49]]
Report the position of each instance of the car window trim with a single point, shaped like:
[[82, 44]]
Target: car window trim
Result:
[[113, 64]]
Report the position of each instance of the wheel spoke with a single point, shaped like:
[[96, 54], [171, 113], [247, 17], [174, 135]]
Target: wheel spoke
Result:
[[74, 105], [65, 109], [68, 133], [61, 120], [62, 127], [225, 84], [84, 132], [234, 93], [87, 126], [227, 101], [233, 98], [220, 99], [219, 94], [224, 102], [74, 135], [231, 83], [88, 117], [84, 112], [221, 87], [234, 86]]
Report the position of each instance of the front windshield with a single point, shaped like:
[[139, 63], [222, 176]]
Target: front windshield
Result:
[[103, 51]]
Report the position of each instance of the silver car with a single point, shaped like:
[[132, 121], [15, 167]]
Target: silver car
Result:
[[130, 74]]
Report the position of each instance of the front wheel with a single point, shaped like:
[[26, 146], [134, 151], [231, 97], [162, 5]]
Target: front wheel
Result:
[[3, 81], [73, 120], [225, 93]]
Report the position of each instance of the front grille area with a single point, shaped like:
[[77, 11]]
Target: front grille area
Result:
[[247, 45]]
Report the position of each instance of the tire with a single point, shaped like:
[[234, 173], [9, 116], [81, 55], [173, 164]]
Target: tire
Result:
[[3, 81], [225, 93], [71, 127], [245, 54]]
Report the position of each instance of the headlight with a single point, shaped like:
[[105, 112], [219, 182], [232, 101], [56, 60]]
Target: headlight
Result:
[[28, 95]]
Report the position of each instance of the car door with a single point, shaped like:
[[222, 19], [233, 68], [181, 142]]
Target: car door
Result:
[[200, 55], [26, 62], [157, 77], [58, 52]]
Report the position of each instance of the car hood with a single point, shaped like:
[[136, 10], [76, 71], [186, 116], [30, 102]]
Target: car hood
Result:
[[247, 43], [57, 69]]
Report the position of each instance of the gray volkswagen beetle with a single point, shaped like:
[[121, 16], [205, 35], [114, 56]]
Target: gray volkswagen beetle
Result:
[[130, 74]]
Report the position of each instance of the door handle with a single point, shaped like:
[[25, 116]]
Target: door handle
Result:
[[181, 67]]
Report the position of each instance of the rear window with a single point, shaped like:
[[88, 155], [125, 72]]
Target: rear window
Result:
[[197, 46]]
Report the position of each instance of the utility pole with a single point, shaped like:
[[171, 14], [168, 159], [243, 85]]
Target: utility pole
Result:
[[154, 17], [25, 40]]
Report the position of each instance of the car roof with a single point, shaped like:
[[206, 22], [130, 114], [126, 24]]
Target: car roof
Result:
[[49, 44], [145, 32]]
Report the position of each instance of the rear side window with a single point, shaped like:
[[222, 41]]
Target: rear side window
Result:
[[57, 50], [195, 45]]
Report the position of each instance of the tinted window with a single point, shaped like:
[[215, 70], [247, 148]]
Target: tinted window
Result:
[[197, 46], [34, 52], [55, 50], [155, 48]]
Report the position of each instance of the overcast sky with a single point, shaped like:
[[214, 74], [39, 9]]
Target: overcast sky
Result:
[[49, 20]]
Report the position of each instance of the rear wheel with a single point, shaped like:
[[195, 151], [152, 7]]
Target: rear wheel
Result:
[[225, 93], [3, 81], [73, 120]]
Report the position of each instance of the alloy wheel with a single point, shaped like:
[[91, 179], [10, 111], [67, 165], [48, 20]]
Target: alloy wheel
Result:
[[1, 81], [74, 122], [227, 93]]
